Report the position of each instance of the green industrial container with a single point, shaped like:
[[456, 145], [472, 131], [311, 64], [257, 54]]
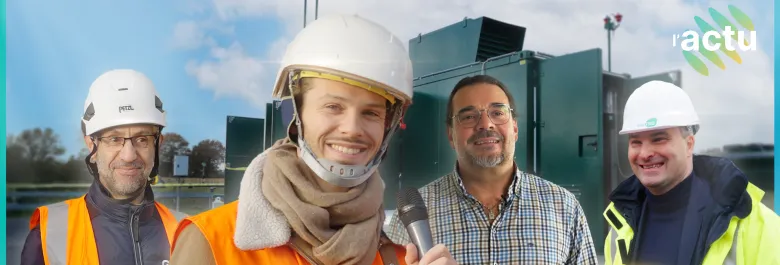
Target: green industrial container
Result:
[[268, 135], [755, 160], [243, 142], [277, 116], [248, 137], [569, 113], [468, 41]]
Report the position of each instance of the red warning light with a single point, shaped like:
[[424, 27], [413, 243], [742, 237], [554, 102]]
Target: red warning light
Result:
[[618, 17]]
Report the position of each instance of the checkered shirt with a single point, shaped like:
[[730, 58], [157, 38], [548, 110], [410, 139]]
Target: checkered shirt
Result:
[[539, 223]]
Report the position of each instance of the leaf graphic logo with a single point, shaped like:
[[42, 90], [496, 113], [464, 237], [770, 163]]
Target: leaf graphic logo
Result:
[[651, 122], [712, 40]]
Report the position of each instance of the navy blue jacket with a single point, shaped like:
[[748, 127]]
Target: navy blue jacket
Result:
[[725, 187], [124, 234]]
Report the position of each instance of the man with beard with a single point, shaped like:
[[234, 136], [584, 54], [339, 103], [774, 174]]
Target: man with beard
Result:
[[487, 211], [316, 196], [117, 221]]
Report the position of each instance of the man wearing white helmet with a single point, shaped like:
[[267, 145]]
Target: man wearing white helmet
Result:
[[316, 197], [681, 208], [117, 221]]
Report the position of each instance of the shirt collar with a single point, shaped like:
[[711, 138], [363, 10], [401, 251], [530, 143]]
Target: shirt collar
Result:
[[512, 191]]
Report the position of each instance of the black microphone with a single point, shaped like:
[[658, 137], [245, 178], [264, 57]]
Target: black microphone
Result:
[[414, 215]]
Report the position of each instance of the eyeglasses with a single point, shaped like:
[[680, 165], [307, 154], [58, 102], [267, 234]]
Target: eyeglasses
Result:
[[139, 141], [498, 114]]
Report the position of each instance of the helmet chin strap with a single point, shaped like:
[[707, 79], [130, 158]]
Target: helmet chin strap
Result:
[[92, 167], [345, 176], [93, 170], [335, 173]]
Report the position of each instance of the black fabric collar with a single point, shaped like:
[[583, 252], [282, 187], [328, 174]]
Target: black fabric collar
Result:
[[102, 204], [728, 185]]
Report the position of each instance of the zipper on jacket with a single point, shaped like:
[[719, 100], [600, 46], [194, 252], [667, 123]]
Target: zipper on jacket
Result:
[[135, 232]]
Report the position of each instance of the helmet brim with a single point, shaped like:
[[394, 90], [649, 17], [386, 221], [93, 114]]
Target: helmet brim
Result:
[[281, 91], [641, 130]]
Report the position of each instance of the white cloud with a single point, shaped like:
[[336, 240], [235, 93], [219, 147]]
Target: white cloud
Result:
[[231, 9], [188, 35], [191, 34], [192, 7], [736, 105], [232, 73]]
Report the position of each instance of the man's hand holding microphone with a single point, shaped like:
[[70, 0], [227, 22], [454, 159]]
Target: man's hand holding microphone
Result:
[[414, 215], [438, 255]]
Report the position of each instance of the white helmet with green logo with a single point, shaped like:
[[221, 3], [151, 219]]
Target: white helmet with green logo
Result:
[[658, 105]]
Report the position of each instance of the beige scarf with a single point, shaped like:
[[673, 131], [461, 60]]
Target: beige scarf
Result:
[[335, 227]]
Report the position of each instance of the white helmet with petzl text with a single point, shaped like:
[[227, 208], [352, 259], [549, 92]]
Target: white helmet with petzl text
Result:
[[658, 105], [121, 97], [356, 51]]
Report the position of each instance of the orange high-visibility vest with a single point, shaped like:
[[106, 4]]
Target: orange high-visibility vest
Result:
[[66, 231], [218, 226]]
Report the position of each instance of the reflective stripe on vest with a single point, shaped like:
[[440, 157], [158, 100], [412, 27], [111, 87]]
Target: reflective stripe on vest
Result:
[[67, 236], [722, 251], [54, 234], [620, 235]]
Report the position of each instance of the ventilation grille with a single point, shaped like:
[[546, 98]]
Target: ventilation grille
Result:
[[498, 38]]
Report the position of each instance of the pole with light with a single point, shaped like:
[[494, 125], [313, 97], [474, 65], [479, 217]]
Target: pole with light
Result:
[[611, 23]]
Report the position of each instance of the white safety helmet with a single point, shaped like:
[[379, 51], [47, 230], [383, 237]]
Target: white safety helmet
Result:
[[658, 105], [121, 97], [356, 51]]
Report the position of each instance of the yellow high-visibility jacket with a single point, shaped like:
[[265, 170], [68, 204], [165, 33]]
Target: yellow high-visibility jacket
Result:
[[748, 231]]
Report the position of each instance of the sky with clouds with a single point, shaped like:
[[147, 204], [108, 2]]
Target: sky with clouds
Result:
[[213, 58]]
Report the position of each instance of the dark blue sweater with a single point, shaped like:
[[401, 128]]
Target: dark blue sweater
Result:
[[662, 225]]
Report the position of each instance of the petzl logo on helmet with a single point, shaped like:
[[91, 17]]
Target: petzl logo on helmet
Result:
[[651, 122], [125, 108], [712, 40]]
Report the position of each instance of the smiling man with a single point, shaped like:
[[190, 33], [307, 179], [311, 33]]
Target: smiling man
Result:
[[118, 220], [681, 208], [487, 211], [316, 196]]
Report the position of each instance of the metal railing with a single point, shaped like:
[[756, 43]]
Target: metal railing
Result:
[[18, 195]]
